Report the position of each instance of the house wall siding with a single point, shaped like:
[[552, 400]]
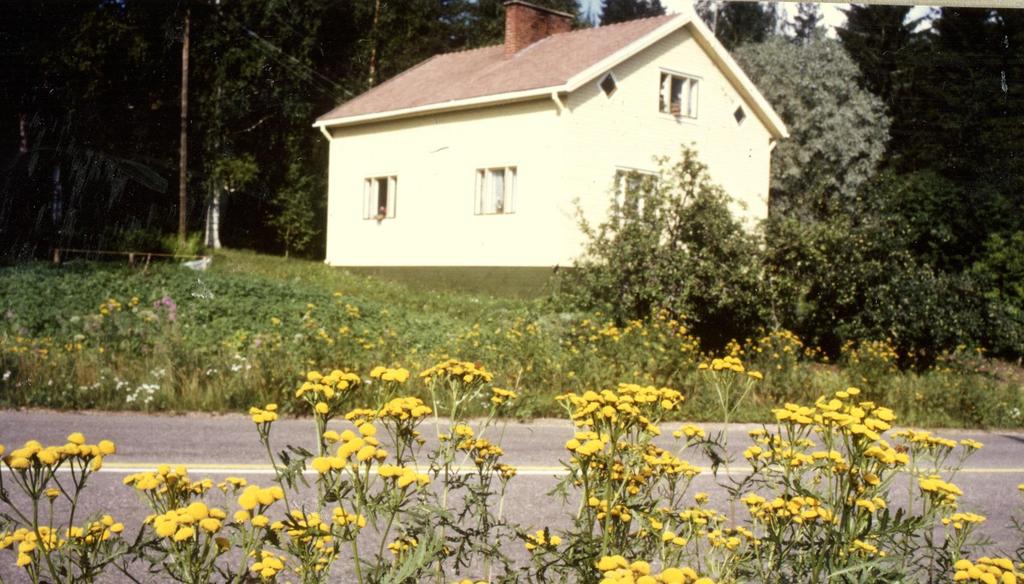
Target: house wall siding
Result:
[[561, 157], [436, 159], [627, 130]]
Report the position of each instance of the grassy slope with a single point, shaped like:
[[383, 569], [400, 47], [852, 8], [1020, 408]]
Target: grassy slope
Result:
[[241, 290], [223, 312], [219, 313], [458, 306]]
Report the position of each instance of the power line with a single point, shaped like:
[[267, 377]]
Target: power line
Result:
[[320, 81]]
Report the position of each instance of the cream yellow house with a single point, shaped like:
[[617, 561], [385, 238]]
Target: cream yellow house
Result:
[[476, 158]]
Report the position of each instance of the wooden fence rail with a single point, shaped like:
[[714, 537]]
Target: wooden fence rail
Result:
[[60, 252]]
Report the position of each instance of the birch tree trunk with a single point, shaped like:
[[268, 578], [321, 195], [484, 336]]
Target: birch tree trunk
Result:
[[213, 220]]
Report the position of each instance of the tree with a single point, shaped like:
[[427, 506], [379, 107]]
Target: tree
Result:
[[229, 174], [254, 89], [183, 143], [613, 11], [404, 33], [853, 278], [955, 100], [672, 244], [294, 218], [1001, 269], [87, 129], [877, 271], [806, 22], [838, 131], [930, 209], [737, 23], [877, 38], [958, 116]]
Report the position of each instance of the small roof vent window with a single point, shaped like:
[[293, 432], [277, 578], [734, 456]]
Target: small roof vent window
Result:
[[608, 85], [739, 114]]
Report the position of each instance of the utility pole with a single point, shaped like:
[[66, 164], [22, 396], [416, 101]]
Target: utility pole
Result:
[[372, 80], [183, 155]]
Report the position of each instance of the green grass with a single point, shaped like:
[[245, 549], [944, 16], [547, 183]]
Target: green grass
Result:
[[247, 330]]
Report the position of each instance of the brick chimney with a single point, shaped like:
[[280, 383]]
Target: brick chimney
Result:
[[526, 24]]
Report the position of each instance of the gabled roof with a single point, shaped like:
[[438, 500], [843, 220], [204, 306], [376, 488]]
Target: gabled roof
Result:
[[559, 63]]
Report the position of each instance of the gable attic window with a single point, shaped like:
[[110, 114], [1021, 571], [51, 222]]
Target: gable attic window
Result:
[[739, 114], [678, 95], [496, 190], [608, 85], [379, 197]]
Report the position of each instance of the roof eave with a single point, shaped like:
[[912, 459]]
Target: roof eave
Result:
[[762, 109], [633, 48], [434, 108]]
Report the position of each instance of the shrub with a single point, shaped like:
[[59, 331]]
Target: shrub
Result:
[[846, 281], [191, 246], [1002, 268], [672, 244]]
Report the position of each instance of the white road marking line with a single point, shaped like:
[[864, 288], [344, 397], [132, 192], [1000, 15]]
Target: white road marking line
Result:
[[528, 470]]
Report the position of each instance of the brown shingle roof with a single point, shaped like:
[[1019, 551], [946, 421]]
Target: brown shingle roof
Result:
[[484, 72]]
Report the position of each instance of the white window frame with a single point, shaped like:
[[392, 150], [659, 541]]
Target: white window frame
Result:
[[485, 196], [689, 94], [371, 196], [620, 192]]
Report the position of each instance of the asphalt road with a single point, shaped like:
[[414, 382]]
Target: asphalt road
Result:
[[220, 446]]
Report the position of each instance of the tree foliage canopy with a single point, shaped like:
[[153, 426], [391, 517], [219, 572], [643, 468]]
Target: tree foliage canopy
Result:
[[737, 23], [955, 93], [838, 129], [613, 11], [807, 22], [876, 37]]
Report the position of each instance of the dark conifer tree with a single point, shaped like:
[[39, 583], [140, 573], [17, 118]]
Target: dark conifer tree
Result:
[[736, 23], [806, 22], [613, 11], [877, 37]]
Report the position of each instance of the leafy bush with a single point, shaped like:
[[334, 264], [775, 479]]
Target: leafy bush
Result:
[[672, 244], [191, 246], [136, 238], [1001, 269], [844, 280]]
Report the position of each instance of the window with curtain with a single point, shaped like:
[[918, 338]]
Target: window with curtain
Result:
[[379, 197], [678, 95], [495, 190]]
